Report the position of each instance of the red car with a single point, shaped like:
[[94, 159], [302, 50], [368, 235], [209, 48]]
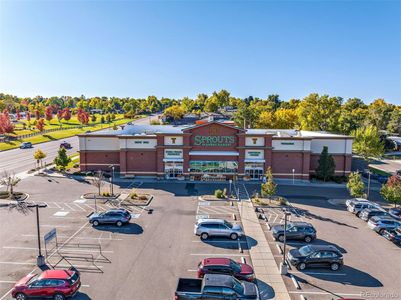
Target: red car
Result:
[[225, 266], [54, 284]]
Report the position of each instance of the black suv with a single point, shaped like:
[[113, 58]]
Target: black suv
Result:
[[295, 231], [316, 256]]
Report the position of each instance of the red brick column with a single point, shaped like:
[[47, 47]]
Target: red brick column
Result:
[[123, 161], [160, 155], [185, 152], [305, 165], [241, 151], [82, 160]]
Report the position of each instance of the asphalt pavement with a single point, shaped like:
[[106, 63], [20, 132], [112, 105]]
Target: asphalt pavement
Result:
[[21, 160]]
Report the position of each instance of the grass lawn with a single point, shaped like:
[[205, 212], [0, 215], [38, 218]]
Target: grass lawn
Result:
[[57, 135], [378, 171], [53, 124]]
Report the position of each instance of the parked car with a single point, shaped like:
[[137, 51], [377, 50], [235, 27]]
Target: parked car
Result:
[[113, 216], [65, 145], [227, 266], [393, 235], [379, 224], [357, 207], [395, 213], [26, 145], [215, 287], [367, 213], [354, 200], [316, 256], [206, 228], [55, 284], [295, 231]]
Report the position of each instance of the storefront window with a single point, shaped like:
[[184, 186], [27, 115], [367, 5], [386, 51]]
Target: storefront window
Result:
[[254, 170], [197, 166]]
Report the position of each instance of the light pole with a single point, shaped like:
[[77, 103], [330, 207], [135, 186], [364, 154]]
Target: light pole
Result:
[[112, 179], [293, 176], [229, 191], [367, 196], [40, 260], [283, 265]]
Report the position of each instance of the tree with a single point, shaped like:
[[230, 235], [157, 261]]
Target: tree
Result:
[[93, 118], [355, 185], [394, 125], [39, 155], [18, 115], [367, 143], [66, 114], [98, 180], [62, 160], [269, 187], [379, 114], [6, 126], [245, 117], [319, 112], [285, 118], [212, 104], [102, 119], [28, 116], [59, 115], [175, 112], [108, 118], [82, 116], [326, 165], [10, 181], [353, 115], [40, 124], [37, 114], [49, 113], [391, 191]]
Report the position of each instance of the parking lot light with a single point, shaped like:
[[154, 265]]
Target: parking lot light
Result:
[[283, 265], [40, 260], [112, 179]]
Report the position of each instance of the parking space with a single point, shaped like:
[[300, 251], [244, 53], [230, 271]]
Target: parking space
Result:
[[372, 264], [141, 260]]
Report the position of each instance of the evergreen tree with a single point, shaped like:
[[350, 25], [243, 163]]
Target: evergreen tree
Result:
[[269, 187], [62, 160], [355, 185], [326, 166]]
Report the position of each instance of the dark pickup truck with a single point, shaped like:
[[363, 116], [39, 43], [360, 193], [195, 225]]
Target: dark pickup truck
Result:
[[217, 287]]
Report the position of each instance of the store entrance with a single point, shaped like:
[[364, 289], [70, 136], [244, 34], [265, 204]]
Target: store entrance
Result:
[[254, 174]]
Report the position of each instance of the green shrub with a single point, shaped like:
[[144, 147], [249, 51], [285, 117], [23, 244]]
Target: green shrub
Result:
[[105, 194], [219, 194], [282, 201], [143, 197], [133, 196]]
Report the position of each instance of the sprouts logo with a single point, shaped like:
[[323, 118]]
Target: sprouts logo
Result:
[[214, 140]]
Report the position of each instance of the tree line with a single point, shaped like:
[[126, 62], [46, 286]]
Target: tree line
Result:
[[314, 112]]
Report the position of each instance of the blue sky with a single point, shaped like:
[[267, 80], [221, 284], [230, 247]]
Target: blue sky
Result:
[[176, 49]]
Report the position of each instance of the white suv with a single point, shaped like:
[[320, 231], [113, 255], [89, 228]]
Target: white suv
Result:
[[206, 228]]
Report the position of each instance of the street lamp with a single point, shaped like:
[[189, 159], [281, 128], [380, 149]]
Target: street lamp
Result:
[[40, 260], [229, 192], [293, 176], [112, 179], [367, 196], [283, 265]]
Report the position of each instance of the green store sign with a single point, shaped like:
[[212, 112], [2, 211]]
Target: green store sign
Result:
[[173, 153], [254, 153], [214, 140]]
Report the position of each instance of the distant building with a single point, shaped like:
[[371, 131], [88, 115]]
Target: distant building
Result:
[[212, 150]]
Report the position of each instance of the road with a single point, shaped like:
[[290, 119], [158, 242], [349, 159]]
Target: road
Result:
[[21, 160]]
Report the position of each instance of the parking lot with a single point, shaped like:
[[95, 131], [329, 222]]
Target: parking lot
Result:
[[372, 265], [141, 260]]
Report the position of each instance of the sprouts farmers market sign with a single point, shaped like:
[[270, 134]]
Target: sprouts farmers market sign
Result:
[[214, 140]]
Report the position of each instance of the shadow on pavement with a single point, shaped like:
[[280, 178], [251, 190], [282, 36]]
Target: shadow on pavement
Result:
[[231, 244], [81, 296], [265, 291], [130, 228], [353, 277]]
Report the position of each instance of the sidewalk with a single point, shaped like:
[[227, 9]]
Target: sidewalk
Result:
[[270, 282]]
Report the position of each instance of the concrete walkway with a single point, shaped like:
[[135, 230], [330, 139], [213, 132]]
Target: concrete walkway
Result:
[[270, 282]]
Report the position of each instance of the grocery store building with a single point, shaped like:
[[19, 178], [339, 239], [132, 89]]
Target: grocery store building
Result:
[[211, 151]]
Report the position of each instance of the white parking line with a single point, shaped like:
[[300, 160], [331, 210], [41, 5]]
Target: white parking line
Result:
[[57, 226], [7, 281], [79, 206], [318, 273], [63, 249], [228, 241], [56, 204], [71, 208], [217, 254], [323, 293], [77, 237]]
